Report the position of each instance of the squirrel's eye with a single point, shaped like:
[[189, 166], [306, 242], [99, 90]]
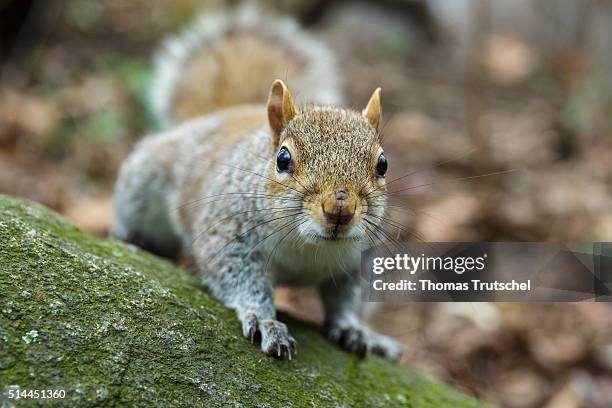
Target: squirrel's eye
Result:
[[381, 166], [283, 160]]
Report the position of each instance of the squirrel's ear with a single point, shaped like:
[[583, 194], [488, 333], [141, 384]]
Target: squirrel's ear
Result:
[[280, 107], [372, 111]]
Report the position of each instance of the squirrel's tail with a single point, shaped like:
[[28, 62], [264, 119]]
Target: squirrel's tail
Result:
[[231, 58]]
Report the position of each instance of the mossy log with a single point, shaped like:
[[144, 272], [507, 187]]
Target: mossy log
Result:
[[114, 325]]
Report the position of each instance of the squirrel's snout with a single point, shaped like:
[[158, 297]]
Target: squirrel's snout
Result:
[[339, 208]]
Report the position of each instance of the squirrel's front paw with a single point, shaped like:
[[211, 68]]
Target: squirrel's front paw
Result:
[[361, 340], [274, 336]]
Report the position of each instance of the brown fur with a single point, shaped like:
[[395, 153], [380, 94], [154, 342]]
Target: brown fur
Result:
[[233, 71]]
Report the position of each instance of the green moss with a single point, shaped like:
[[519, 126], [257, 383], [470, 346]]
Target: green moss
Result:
[[114, 325]]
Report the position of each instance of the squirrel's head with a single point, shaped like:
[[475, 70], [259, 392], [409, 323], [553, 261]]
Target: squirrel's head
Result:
[[328, 166]]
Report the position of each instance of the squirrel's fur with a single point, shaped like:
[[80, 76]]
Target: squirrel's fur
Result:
[[213, 188]]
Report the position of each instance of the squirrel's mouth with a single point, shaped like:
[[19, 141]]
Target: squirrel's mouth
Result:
[[315, 233], [331, 237], [334, 236]]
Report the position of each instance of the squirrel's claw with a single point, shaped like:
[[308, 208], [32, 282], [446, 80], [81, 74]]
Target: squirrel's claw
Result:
[[276, 340], [362, 341], [250, 327], [274, 336]]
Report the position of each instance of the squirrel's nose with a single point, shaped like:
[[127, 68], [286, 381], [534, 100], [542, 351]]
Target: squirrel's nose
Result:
[[338, 208]]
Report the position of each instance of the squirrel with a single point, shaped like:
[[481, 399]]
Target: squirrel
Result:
[[259, 195]]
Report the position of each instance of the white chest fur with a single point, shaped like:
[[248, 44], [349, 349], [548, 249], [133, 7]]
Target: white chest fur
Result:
[[301, 264]]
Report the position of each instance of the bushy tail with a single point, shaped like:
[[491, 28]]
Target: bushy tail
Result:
[[231, 58]]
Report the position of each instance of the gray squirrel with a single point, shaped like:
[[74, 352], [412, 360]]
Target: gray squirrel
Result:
[[259, 195]]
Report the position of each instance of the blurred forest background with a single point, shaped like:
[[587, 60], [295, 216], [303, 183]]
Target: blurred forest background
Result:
[[470, 87]]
